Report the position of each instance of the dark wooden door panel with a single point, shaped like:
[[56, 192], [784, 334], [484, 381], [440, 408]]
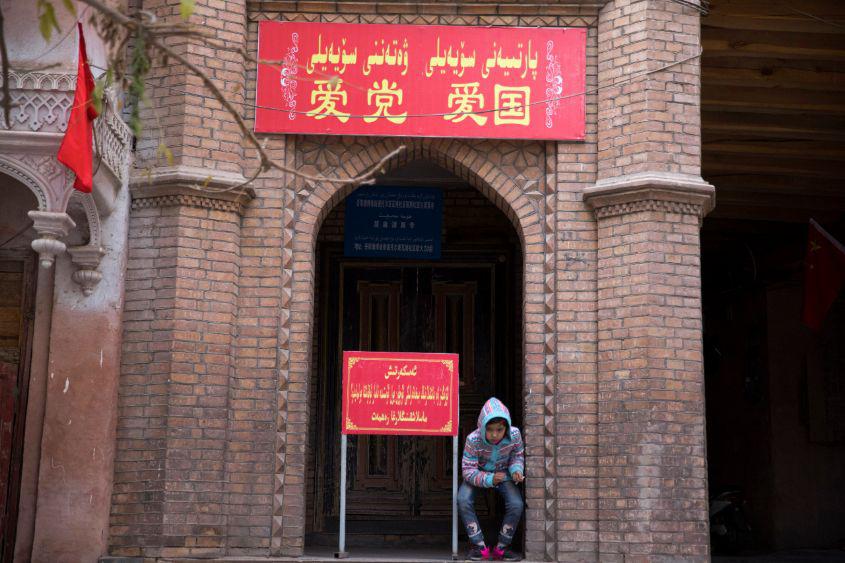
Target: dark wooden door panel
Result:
[[17, 310], [404, 482]]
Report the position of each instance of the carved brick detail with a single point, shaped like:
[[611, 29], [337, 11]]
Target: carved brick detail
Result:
[[41, 101], [549, 355], [281, 540], [587, 19], [182, 188], [683, 208], [188, 201]]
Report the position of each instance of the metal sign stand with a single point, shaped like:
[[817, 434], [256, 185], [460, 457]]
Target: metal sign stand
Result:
[[341, 552], [341, 548], [455, 497]]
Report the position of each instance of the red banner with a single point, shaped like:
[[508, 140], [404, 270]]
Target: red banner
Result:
[[400, 393], [426, 81]]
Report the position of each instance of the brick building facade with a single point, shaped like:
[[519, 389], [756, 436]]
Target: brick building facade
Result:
[[221, 362], [218, 355]]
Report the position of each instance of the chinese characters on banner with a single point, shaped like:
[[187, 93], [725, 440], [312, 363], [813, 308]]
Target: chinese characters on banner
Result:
[[413, 80], [400, 393]]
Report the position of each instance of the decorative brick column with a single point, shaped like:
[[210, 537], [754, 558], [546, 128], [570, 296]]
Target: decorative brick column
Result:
[[170, 491], [649, 200], [172, 476]]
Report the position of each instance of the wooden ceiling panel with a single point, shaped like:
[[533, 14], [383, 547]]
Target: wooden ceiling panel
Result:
[[773, 108]]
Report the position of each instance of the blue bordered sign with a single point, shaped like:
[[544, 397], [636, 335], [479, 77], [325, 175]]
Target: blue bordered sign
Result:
[[393, 222]]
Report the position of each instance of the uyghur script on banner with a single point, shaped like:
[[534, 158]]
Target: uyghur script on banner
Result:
[[415, 80], [400, 393]]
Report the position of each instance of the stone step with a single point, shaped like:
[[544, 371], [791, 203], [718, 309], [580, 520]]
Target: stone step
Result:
[[357, 556]]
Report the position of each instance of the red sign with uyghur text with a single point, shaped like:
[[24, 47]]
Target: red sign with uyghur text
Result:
[[400, 393], [416, 80]]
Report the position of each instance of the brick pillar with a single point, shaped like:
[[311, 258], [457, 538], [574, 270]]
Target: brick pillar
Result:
[[649, 200], [202, 135], [170, 493]]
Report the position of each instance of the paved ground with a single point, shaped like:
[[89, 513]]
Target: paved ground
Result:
[[796, 556], [428, 555]]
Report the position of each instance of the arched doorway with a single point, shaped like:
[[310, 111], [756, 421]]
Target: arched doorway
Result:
[[468, 302], [18, 269]]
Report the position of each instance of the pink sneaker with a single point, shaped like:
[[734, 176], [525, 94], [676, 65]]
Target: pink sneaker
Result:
[[504, 555], [477, 553]]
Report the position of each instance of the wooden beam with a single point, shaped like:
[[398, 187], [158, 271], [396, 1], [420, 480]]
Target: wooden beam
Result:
[[762, 63], [810, 150], [831, 9], [799, 167], [763, 183], [772, 77], [811, 127], [772, 100], [754, 43], [750, 211], [766, 21]]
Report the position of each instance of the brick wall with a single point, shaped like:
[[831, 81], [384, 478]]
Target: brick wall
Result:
[[251, 462], [184, 117], [649, 200], [652, 475], [173, 411], [648, 121], [575, 271]]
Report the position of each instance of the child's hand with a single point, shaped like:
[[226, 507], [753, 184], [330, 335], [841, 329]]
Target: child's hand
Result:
[[518, 477], [498, 477]]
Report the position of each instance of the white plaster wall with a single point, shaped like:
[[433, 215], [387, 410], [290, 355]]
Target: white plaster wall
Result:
[[77, 461], [108, 295], [27, 48]]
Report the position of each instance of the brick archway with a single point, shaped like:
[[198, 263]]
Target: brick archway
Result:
[[302, 220]]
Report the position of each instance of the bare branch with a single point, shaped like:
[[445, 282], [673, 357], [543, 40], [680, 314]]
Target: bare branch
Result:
[[154, 35], [6, 102]]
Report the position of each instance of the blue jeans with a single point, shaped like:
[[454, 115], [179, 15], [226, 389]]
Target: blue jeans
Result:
[[513, 511]]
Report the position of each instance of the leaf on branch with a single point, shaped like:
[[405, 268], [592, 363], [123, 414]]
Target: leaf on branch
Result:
[[186, 8], [47, 21], [69, 6]]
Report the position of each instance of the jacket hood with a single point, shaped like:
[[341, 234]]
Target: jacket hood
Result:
[[493, 408]]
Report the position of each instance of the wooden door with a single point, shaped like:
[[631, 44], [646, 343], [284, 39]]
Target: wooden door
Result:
[[17, 292], [397, 484]]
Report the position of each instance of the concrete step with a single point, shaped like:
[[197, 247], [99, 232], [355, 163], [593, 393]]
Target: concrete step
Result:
[[356, 555]]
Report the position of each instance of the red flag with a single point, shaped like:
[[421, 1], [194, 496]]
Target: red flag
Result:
[[824, 272], [76, 151]]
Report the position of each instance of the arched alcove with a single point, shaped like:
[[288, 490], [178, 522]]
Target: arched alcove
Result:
[[469, 301]]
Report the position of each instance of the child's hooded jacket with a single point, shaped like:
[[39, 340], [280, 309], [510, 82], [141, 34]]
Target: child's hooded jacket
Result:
[[482, 459]]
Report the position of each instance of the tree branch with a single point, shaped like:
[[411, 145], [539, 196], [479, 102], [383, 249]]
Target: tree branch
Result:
[[154, 36], [6, 102]]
